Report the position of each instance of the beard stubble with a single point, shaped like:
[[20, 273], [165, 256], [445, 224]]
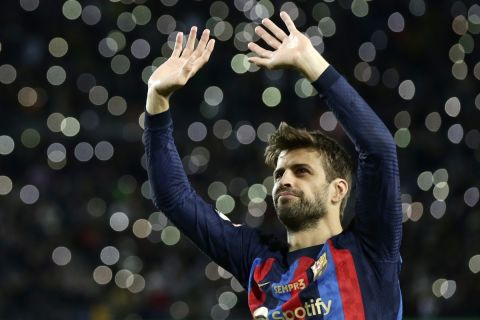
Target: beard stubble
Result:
[[301, 214]]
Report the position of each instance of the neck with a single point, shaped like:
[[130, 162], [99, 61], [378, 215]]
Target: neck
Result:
[[324, 229]]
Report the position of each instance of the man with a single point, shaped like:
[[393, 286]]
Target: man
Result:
[[326, 272]]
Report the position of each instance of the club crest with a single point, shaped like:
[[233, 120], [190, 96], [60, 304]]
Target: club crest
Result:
[[319, 266]]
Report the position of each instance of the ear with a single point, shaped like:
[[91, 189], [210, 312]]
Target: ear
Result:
[[340, 190]]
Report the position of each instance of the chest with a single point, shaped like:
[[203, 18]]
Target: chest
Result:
[[317, 285], [282, 281]]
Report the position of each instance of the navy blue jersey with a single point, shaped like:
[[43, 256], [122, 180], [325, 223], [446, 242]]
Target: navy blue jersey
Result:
[[354, 275]]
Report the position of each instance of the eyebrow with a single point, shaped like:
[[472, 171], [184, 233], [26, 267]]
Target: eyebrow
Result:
[[293, 166]]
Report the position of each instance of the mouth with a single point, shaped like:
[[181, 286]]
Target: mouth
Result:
[[286, 194]]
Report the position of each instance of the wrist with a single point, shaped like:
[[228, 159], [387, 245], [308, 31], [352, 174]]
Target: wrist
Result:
[[312, 64], [157, 103]]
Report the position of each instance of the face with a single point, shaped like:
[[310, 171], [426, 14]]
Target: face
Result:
[[300, 192]]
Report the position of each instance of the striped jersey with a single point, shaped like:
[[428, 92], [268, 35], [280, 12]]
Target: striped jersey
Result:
[[354, 275]]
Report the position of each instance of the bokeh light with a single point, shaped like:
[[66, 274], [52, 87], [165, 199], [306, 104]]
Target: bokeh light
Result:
[[70, 126], [6, 185], [58, 47], [225, 204], [158, 221], [91, 15], [406, 89], [328, 121], [137, 283], [109, 255], [29, 5], [119, 221], [102, 275], [471, 196], [124, 278], [271, 96], [61, 256], [197, 131], [104, 150], [56, 75], [474, 263], [360, 8], [140, 48], [8, 74], [83, 151], [246, 134], [142, 15], [327, 27], [72, 9], [29, 194], [396, 22], [141, 228], [433, 121], [170, 235], [438, 209], [27, 96], [7, 145]]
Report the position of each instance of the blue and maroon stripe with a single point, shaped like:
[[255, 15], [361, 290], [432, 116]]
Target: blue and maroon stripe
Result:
[[256, 297], [348, 285], [303, 264]]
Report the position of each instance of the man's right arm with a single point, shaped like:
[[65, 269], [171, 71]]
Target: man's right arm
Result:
[[227, 244]]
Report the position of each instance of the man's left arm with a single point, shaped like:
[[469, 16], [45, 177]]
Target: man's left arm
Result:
[[378, 217], [378, 209]]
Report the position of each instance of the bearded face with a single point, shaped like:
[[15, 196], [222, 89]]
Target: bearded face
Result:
[[301, 190], [296, 211]]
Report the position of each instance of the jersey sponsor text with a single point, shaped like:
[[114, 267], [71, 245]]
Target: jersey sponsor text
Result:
[[317, 307], [297, 285]]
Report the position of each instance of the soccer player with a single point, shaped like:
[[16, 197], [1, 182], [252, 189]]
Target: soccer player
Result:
[[325, 272]]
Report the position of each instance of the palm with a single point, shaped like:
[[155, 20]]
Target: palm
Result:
[[169, 76], [183, 64], [287, 53], [286, 48]]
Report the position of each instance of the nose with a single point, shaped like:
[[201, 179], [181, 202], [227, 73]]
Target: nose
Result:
[[287, 179]]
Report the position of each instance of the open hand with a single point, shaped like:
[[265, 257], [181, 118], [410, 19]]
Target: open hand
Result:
[[174, 73], [182, 64], [294, 50]]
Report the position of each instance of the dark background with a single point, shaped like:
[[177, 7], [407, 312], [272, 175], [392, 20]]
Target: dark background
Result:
[[62, 193]]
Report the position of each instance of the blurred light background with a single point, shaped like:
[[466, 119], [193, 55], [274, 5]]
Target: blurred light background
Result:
[[79, 236]]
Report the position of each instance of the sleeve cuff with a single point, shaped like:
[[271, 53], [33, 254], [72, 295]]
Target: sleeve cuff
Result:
[[160, 120], [326, 79]]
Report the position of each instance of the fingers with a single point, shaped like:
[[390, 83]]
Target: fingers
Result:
[[203, 40], [208, 52], [178, 45], [200, 59], [202, 44], [199, 62], [288, 22], [271, 41], [279, 33], [261, 62], [190, 42], [263, 53]]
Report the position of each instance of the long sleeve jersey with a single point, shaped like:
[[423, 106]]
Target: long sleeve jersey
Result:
[[354, 275]]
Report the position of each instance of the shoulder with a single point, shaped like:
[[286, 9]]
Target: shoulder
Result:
[[273, 242]]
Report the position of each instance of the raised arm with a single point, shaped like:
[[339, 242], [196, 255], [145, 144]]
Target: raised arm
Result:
[[172, 193], [378, 209]]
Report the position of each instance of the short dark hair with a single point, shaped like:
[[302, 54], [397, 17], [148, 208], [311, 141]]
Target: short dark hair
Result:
[[336, 161]]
